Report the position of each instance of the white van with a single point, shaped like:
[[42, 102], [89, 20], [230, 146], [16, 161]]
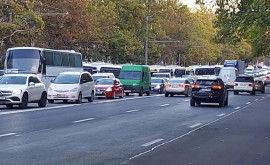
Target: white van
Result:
[[228, 75]]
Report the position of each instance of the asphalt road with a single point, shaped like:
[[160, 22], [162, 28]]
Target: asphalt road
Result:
[[137, 130]]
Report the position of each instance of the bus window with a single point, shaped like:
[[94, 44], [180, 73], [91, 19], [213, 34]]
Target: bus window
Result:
[[71, 60], [57, 59], [49, 58], [78, 61], [65, 59]]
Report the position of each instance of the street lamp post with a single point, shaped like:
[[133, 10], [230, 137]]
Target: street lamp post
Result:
[[147, 40]]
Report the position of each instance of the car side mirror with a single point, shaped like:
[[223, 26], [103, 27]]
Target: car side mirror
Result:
[[84, 81], [31, 84], [52, 81]]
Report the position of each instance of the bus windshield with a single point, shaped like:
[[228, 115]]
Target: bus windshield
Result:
[[24, 61], [205, 71]]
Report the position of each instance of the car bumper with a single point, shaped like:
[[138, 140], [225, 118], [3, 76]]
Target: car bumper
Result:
[[245, 89], [176, 90], [11, 99], [62, 96], [206, 98], [132, 89]]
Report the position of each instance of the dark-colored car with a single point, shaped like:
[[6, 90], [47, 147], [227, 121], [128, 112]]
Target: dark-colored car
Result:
[[259, 86], [209, 90]]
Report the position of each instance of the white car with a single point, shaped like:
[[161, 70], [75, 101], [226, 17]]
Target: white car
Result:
[[178, 86], [20, 89], [244, 83], [103, 75], [72, 86]]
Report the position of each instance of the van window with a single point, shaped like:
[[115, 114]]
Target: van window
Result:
[[49, 58], [78, 61], [57, 59], [132, 75], [65, 59]]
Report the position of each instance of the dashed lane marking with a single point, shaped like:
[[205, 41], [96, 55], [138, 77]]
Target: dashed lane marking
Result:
[[195, 125], [83, 120], [152, 142], [248, 103], [237, 108], [222, 114], [164, 105], [134, 110], [7, 134]]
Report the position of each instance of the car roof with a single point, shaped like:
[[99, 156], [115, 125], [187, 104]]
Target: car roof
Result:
[[101, 74], [73, 73], [208, 78], [19, 75]]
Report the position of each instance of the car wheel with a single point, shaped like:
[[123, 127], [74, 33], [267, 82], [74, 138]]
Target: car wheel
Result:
[[192, 102], [221, 102], [141, 92], [166, 94], [236, 92], [198, 103], [91, 98], [43, 100], [9, 105], [51, 101], [263, 90], [24, 102], [148, 92], [127, 94], [79, 101], [122, 94]]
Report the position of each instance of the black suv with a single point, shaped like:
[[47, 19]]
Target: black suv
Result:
[[209, 90]]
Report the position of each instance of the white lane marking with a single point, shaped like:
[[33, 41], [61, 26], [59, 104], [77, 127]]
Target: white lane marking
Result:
[[134, 110], [248, 103], [42, 130], [237, 108], [222, 114], [37, 109], [186, 134], [256, 99], [83, 120], [195, 125], [186, 100], [7, 134], [152, 142], [164, 105]]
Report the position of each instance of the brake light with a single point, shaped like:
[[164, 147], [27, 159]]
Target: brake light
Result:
[[168, 85], [235, 84], [182, 85], [216, 87], [256, 85], [196, 86], [251, 85]]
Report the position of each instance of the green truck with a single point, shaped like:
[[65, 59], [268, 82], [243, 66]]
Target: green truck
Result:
[[136, 79]]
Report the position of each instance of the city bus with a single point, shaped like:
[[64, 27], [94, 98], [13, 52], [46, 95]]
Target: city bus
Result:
[[111, 69], [46, 63]]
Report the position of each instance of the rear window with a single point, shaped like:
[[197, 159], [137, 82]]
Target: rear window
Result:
[[176, 81], [244, 79], [207, 82]]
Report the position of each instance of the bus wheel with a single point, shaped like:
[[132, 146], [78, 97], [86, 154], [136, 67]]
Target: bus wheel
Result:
[[141, 92]]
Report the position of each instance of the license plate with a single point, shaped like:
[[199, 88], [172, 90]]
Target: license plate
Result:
[[175, 86], [99, 92], [242, 84], [2, 98], [127, 91], [206, 90], [62, 95]]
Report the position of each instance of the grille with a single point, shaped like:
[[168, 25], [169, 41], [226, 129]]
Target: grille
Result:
[[5, 93]]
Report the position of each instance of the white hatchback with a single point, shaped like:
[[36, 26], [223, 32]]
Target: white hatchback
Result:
[[72, 86], [20, 89]]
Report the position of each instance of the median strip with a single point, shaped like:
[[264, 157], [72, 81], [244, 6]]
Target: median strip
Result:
[[83, 120], [152, 142]]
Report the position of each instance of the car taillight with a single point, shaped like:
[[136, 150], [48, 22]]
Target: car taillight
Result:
[[167, 85], [196, 86], [256, 85], [235, 84], [182, 85], [216, 87], [251, 85]]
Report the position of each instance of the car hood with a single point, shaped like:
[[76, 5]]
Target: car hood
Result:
[[103, 86], [63, 86], [11, 87]]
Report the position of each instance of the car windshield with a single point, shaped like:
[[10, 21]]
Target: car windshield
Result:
[[210, 71], [243, 79], [131, 75], [98, 77], [156, 80], [249, 70], [104, 82], [19, 80], [161, 75], [207, 82], [67, 79], [177, 81]]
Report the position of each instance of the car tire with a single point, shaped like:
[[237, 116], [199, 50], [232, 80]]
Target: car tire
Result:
[[91, 98], [51, 101], [43, 100], [148, 92], [9, 105], [24, 102], [198, 103], [79, 101], [236, 92], [263, 90], [166, 94], [127, 94], [192, 102], [221, 102], [122, 95], [141, 92]]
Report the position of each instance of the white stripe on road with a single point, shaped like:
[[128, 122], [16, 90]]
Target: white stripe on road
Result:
[[152, 142], [256, 99], [134, 110], [248, 103], [186, 100], [222, 114], [164, 105], [237, 108], [195, 125], [8, 134], [83, 120]]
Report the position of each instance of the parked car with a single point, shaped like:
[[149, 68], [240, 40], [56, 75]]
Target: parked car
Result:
[[259, 86], [244, 83], [267, 80], [178, 86], [136, 79], [109, 88], [209, 90], [72, 86], [21, 89], [102, 75], [158, 85]]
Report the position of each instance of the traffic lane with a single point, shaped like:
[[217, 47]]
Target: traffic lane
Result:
[[126, 133], [242, 138]]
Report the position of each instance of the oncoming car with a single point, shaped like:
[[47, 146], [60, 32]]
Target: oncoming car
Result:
[[109, 87], [21, 89], [72, 86]]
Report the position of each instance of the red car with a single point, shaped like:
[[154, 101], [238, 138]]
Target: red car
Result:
[[109, 88]]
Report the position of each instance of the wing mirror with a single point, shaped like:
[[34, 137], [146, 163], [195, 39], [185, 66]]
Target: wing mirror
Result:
[[31, 84]]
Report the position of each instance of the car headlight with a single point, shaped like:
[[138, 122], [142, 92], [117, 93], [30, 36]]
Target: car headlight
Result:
[[17, 92], [135, 84], [157, 87], [108, 89], [50, 89], [74, 90]]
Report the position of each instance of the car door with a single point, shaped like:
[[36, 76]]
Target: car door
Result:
[[33, 89], [83, 85], [39, 87], [89, 84]]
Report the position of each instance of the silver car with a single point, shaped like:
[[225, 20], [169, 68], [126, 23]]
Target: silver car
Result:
[[178, 86]]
